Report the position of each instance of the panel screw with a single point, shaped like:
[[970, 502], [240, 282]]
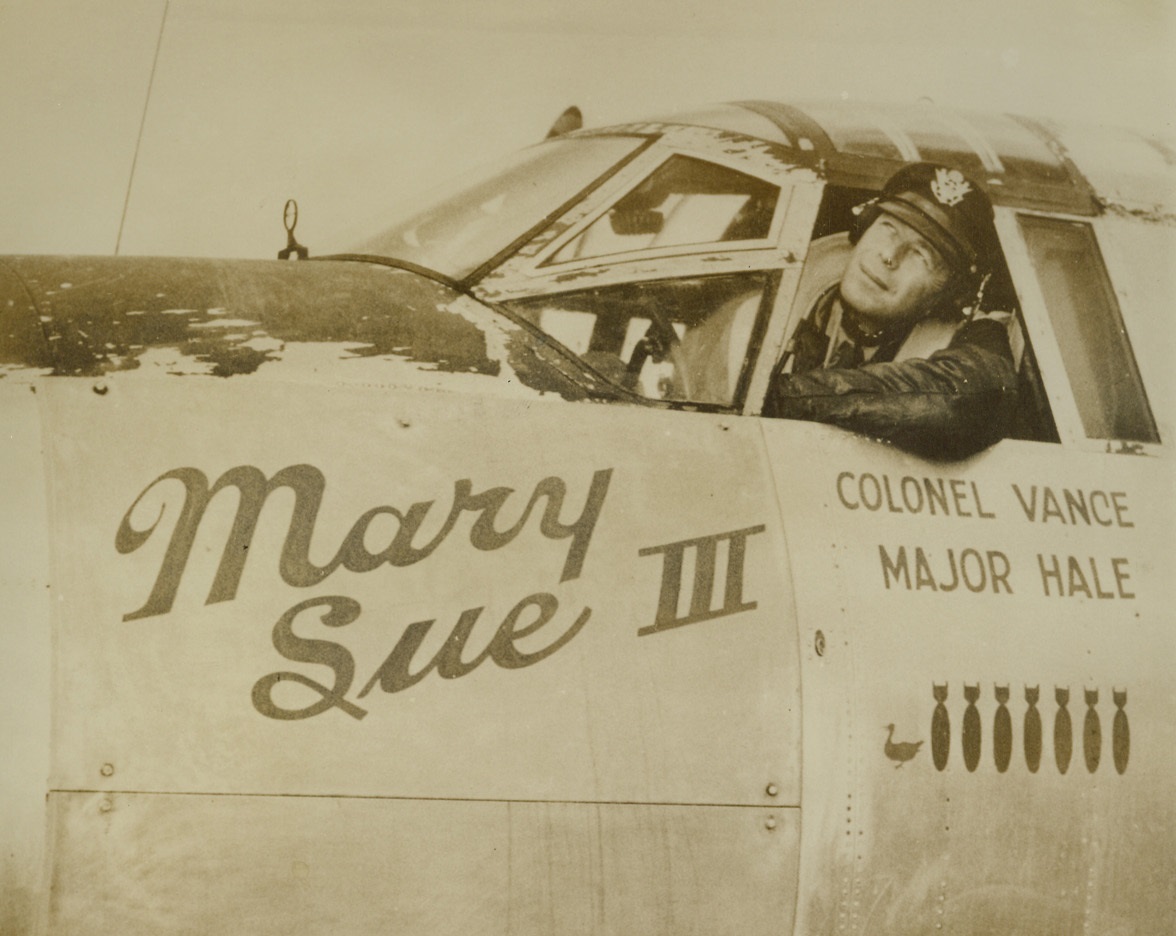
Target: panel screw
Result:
[[108, 770], [105, 806], [773, 789], [100, 388], [819, 643], [770, 823]]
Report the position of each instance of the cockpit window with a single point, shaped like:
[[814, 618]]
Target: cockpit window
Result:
[[486, 212], [684, 339], [685, 201], [1089, 327]]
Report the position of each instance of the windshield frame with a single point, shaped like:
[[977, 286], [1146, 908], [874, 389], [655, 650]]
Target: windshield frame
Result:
[[647, 140], [456, 207], [772, 253]]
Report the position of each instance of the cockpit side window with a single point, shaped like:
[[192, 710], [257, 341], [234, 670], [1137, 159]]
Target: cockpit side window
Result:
[[1096, 351], [687, 339]]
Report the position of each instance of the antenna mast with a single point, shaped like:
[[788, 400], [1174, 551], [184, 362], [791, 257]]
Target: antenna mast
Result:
[[142, 124]]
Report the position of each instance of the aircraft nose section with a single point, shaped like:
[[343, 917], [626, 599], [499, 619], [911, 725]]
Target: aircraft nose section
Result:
[[91, 316]]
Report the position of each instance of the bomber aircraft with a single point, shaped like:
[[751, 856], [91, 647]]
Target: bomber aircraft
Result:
[[456, 584]]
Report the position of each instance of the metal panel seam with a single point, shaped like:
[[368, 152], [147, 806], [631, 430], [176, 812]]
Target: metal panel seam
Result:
[[415, 799], [791, 601]]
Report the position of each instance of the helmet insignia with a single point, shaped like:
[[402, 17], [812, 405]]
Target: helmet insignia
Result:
[[950, 186]]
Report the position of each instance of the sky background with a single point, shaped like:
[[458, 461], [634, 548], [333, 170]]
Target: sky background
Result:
[[353, 106]]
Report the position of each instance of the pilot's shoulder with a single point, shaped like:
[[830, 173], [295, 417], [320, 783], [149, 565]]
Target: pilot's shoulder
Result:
[[935, 334], [996, 327], [1001, 317]]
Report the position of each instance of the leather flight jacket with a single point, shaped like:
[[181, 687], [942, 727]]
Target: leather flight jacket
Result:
[[951, 404]]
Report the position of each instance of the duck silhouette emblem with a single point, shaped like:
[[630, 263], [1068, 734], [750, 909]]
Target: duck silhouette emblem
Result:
[[902, 751]]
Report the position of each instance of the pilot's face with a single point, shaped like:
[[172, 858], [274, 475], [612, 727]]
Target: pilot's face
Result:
[[894, 273]]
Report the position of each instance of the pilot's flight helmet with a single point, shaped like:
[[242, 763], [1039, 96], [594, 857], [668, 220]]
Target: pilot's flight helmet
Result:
[[946, 207]]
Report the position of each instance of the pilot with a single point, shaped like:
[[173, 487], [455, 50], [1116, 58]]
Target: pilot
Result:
[[923, 252]]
